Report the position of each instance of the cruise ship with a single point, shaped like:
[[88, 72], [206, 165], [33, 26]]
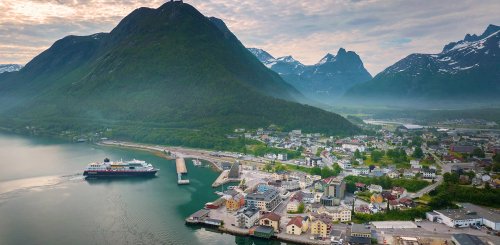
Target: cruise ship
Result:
[[120, 169]]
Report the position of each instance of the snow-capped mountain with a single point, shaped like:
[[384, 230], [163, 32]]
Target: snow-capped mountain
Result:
[[467, 70], [10, 68], [324, 81]]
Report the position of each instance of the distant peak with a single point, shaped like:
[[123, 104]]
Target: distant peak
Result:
[[261, 54], [490, 30], [472, 38], [287, 58], [328, 58], [341, 51]]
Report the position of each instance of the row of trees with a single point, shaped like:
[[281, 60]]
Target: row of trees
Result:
[[412, 185]]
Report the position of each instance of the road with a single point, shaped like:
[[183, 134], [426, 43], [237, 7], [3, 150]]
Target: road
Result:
[[445, 168]]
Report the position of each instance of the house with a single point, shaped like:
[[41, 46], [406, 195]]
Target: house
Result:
[[280, 175], [393, 204], [340, 213], [406, 202], [353, 146], [428, 173], [359, 230], [409, 173], [398, 192], [375, 188], [272, 220], [360, 186], [360, 171], [415, 164], [290, 185], [293, 206], [393, 174], [294, 226], [376, 198], [308, 197], [321, 224], [363, 209], [247, 217], [282, 156], [344, 164], [265, 201], [377, 172], [234, 203]]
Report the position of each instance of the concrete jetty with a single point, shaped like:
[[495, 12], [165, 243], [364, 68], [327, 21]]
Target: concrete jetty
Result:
[[181, 168]]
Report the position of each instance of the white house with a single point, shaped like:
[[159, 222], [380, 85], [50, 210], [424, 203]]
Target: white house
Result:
[[375, 188], [353, 146], [344, 164], [393, 174], [283, 157], [360, 171], [293, 206], [247, 217], [428, 173]]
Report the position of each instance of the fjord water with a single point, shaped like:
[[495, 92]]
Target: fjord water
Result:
[[45, 200]]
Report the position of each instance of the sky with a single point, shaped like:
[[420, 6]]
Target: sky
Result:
[[380, 31]]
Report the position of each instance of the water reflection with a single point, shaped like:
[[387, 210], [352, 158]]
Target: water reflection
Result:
[[128, 180]]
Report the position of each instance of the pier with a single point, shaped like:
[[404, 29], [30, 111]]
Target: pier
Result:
[[181, 168]]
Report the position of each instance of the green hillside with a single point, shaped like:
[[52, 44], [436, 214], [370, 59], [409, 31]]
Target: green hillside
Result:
[[166, 75]]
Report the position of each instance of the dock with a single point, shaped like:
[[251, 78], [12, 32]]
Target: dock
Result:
[[181, 168]]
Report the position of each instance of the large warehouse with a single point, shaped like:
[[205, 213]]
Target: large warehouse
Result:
[[468, 215]]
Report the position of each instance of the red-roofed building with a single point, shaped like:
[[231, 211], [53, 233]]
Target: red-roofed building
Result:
[[294, 226]]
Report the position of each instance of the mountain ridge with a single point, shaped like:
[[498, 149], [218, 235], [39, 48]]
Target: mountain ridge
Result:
[[195, 82], [465, 72], [324, 81]]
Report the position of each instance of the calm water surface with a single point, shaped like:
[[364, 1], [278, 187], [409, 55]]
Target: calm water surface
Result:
[[45, 200]]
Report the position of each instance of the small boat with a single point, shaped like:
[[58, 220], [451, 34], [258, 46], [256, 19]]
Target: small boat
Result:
[[196, 162]]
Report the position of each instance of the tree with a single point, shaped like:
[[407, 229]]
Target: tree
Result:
[[268, 167], [496, 158], [418, 153], [357, 154], [377, 155], [478, 152]]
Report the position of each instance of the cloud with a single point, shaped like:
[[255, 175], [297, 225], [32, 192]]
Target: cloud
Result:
[[381, 32]]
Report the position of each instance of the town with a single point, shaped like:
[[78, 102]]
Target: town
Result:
[[392, 187]]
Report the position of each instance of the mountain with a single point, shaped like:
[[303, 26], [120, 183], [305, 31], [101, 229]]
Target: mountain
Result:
[[466, 72], [325, 81], [167, 75], [10, 68]]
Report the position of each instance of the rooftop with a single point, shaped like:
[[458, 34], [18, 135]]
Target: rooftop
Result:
[[267, 196], [458, 214], [358, 228], [297, 221], [200, 213], [249, 212], [488, 213], [272, 216], [466, 239]]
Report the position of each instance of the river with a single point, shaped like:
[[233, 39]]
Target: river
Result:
[[45, 200]]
